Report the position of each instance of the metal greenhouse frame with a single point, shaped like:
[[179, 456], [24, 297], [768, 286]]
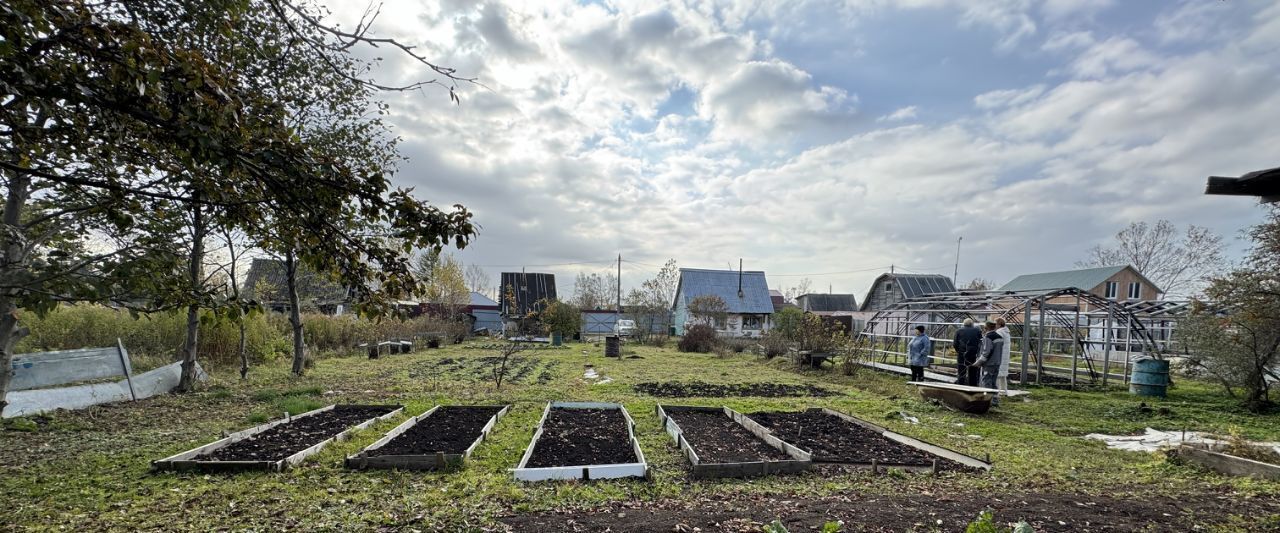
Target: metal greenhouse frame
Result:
[[1049, 328]]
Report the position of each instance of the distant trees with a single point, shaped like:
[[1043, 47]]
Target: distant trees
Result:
[[1234, 334], [1178, 262], [979, 284], [560, 317], [444, 282], [803, 287], [650, 303], [479, 281], [595, 291]]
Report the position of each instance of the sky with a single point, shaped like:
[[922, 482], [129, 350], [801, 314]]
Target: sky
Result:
[[830, 139]]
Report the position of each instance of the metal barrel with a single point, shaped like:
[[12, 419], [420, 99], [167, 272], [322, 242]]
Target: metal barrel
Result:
[[1150, 378], [612, 346]]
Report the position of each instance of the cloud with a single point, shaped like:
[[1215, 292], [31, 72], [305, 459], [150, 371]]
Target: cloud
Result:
[[902, 113]]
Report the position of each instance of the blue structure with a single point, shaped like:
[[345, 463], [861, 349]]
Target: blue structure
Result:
[[745, 294]]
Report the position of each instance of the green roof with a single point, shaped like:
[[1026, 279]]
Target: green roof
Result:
[[1084, 279]]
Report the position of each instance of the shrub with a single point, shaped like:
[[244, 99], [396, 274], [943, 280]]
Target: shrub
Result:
[[774, 344], [699, 338], [738, 345]]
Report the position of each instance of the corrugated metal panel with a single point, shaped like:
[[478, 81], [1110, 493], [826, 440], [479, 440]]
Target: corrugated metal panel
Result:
[[482, 300], [695, 282], [598, 322], [1084, 279], [529, 289]]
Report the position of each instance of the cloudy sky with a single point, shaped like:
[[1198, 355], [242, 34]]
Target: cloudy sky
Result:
[[832, 139]]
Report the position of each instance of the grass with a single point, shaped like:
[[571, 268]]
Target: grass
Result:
[[89, 469]]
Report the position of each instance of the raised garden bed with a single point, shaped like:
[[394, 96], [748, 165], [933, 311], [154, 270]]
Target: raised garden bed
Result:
[[1219, 460], [275, 446], [583, 440], [834, 437], [438, 438], [721, 442], [698, 389]]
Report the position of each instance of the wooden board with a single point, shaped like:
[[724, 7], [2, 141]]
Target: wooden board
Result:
[[941, 379], [1229, 464], [973, 400], [187, 460], [799, 462], [584, 472], [363, 460]]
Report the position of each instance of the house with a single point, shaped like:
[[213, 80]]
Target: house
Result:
[[266, 282], [745, 294], [530, 291], [891, 288], [485, 313], [779, 300], [1121, 283]]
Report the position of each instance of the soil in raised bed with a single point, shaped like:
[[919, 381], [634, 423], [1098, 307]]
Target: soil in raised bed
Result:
[[698, 389], [281, 441], [450, 429], [832, 439], [716, 438], [579, 437]]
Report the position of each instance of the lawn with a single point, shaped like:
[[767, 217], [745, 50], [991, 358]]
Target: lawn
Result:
[[90, 469]]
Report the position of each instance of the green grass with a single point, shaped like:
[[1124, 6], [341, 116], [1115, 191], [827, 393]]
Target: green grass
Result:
[[89, 469]]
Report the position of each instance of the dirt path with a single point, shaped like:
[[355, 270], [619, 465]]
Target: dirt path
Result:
[[1044, 511]]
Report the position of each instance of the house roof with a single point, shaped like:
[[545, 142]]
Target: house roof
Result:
[[1084, 279], [481, 300], [695, 282], [529, 289], [912, 285], [827, 302]]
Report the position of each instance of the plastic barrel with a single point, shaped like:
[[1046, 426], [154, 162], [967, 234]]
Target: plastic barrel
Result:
[[557, 339], [1150, 378]]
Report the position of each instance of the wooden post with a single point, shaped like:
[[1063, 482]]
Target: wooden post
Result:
[[128, 368], [875, 466]]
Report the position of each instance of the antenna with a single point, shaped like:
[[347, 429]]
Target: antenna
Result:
[[955, 274]]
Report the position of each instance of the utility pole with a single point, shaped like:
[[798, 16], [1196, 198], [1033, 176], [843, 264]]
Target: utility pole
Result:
[[955, 274], [619, 285]]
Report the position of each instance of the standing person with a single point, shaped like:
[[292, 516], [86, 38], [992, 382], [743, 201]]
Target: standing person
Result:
[[989, 359], [1002, 379], [967, 343], [918, 353]]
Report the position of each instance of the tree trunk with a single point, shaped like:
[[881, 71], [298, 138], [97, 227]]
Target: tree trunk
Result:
[[244, 354], [14, 259], [235, 293], [187, 382], [295, 313]]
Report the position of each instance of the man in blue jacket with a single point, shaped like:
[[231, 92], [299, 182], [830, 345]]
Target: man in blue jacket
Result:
[[967, 342]]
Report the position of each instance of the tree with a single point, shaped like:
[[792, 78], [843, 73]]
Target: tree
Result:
[[560, 317], [1234, 334], [788, 323], [709, 309], [1178, 263], [650, 304], [595, 291], [479, 281], [979, 284], [119, 114], [800, 289], [445, 282]]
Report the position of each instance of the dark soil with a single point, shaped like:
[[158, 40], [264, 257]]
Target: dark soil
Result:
[[451, 429], [716, 438], [281, 441], [698, 389], [579, 437], [1046, 512], [520, 369], [835, 440]]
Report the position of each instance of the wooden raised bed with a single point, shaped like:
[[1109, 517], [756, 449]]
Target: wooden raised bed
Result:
[[198, 458], [528, 469], [796, 460], [920, 456], [371, 456], [1228, 464]]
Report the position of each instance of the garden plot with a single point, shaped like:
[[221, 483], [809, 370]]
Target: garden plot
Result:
[[833, 437], [438, 438], [721, 442], [275, 446], [583, 440], [522, 370], [698, 389]]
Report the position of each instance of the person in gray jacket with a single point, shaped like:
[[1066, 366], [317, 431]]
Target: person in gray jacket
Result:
[[989, 359]]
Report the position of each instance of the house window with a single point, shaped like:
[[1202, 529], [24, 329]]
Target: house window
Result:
[[751, 322], [1135, 291], [887, 287], [1113, 287]]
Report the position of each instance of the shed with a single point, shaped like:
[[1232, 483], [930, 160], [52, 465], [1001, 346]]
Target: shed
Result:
[[528, 289]]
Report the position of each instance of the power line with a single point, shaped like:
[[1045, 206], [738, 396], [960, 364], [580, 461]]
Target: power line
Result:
[[606, 262]]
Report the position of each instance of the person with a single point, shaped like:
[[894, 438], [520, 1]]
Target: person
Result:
[[967, 342], [918, 354], [1002, 378], [989, 358]]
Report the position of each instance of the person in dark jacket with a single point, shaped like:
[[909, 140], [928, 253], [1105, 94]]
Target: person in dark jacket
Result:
[[918, 352], [989, 359], [967, 342]]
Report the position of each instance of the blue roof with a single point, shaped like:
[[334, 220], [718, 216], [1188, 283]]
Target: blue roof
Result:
[[480, 299], [1084, 279], [695, 282]]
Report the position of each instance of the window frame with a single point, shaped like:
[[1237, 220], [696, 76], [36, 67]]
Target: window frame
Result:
[[1135, 290], [1111, 290]]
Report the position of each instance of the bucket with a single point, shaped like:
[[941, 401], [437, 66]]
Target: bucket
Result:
[[612, 346], [557, 339], [1150, 378]]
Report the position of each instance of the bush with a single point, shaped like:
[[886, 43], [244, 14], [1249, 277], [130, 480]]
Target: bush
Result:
[[699, 338], [738, 345], [774, 344]]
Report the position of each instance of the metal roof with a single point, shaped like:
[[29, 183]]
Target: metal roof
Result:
[[695, 282], [1083, 279], [529, 289], [478, 299], [827, 302]]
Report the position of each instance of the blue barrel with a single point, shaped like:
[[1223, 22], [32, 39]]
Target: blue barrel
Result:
[[557, 339], [1150, 378]]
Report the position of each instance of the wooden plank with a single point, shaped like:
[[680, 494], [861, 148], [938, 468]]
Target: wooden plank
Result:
[[913, 442], [801, 460], [1229, 464], [344, 435]]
